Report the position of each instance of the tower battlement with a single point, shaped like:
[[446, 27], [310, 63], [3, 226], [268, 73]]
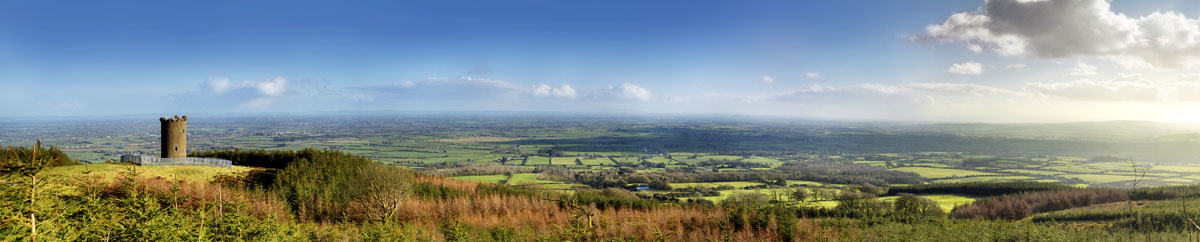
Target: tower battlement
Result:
[[173, 119], [174, 136]]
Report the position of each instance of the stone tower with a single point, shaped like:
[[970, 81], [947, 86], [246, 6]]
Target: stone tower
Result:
[[174, 136]]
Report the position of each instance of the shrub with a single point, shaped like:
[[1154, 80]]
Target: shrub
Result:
[[746, 199], [909, 207], [978, 188], [1018, 206]]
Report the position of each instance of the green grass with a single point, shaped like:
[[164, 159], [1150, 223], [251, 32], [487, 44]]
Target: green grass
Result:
[[1178, 180], [595, 161], [526, 178], [722, 157], [1169, 168], [481, 158], [761, 159], [1096, 178], [738, 185], [560, 186], [934, 165], [938, 173], [86, 156], [660, 159], [946, 201], [1073, 169], [804, 183], [114, 170], [1116, 166], [1033, 172], [1147, 174], [485, 178], [984, 179], [542, 160], [409, 154], [726, 193]]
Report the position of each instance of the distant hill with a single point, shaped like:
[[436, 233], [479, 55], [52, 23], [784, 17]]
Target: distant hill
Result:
[[1120, 131]]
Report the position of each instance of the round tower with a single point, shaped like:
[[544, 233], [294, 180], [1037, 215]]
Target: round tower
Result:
[[174, 136]]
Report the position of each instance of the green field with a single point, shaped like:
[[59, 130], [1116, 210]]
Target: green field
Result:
[[738, 185], [946, 201], [1033, 172], [1097, 178], [1178, 180], [595, 161], [1073, 169], [761, 159], [1175, 168], [804, 183], [485, 178], [542, 160], [938, 173], [984, 179]]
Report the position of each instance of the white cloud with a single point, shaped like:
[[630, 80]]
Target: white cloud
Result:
[[631, 91], [1017, 66], [1186, 89], [766, 79], [543, 90], [1083, 69], [1125, 87], [967, 68], [247, 94], [217, 85], [966, 89], [460, 90], [939, 101], [565, 91], [625, 91], [273, 87], [1069, 28], [468, 91], [812, 75]]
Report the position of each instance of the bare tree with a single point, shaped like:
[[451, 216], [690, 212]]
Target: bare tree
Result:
[[1138, 174], [385, 189]]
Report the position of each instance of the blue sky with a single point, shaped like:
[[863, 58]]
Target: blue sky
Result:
[[878, 60]]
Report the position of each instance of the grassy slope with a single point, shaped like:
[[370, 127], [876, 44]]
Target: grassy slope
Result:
[[110, 171]]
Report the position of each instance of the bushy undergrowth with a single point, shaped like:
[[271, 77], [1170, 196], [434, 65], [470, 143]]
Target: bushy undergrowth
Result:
[[332, 196], [1021, 205], [1018, 206], [139, 209], [17, 158], [1140, 216], [278, 159], [977, 188]]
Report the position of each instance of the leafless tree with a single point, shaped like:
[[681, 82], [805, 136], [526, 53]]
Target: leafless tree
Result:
[[385, 189]]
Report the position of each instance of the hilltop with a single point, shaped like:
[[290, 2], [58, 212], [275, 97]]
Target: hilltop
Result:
[[333, 196]]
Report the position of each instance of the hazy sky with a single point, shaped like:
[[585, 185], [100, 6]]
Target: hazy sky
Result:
[[994, 61]]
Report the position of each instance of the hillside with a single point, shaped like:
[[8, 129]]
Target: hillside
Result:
[[332, 196], [110, 171]]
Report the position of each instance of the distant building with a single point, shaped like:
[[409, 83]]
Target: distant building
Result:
[[174, 136], [131, 159], [174, 148]]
